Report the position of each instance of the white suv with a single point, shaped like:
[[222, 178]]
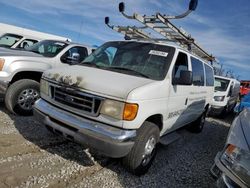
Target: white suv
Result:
[[125, 96]]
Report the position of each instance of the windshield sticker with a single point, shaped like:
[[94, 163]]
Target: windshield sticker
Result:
[[158, 53]]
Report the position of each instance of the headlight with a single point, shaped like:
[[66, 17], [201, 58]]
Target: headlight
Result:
[[219, 98], [119, 110], [238, 161], [44, 87], [2, 61]]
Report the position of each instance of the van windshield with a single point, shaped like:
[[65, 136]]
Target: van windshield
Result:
[[47, 48], [221, 84], [8, 40], [135, 58]]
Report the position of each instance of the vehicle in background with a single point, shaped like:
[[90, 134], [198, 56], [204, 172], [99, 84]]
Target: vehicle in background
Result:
[[244, 87], [20, 71], [232, 165], [244, 103], [14, 37], [226, 94]]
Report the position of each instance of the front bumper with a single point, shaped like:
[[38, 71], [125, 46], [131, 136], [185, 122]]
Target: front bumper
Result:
[[111, 141], [3, 88], [216, 110], [225, 178]]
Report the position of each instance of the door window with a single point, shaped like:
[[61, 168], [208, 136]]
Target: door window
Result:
[[198, 72], [75, 55], [209, 76], [181, 64], [26, 43]]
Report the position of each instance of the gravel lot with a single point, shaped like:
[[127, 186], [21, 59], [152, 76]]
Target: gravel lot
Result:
[[30, 156]]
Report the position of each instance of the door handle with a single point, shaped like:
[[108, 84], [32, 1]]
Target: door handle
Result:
[[186, 101]]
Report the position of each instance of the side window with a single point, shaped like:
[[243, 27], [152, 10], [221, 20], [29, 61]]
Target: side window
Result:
[[198, 72], [181, 64], [209, 76], [26, 43], [75, 55]]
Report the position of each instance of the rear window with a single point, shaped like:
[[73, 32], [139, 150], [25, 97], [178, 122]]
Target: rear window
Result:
[[209, 76], [198, 72]]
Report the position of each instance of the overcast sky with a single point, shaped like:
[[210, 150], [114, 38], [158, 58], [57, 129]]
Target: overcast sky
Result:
[[221, 27]]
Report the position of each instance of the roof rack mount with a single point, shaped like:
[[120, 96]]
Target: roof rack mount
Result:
[[161, 24]]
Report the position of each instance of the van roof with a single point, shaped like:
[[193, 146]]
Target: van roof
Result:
[[28, 33], [226, 78]]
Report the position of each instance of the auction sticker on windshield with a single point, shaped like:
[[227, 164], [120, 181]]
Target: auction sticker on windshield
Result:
[[158, 53]]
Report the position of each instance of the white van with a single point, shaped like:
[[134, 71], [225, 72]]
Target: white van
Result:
[[125, 96], [129, 95], [226, 94], [20, 38]]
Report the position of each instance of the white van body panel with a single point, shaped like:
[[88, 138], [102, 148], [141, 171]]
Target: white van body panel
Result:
[[28, 33]]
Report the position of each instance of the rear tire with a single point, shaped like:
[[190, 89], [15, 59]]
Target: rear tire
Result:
[[198, 125], [140, 158], [21, 95]]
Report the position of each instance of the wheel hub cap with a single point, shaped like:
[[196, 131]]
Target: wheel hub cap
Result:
[[148, 151], [27, 98]]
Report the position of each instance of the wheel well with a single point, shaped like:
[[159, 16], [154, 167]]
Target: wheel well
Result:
[[27, 75], [157, 120]]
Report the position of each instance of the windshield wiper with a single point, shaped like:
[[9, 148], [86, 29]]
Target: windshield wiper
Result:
[[129, 70], [89, 64], [34, 51]]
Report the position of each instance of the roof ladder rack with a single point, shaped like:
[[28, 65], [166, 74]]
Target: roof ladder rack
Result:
[[161, 24]]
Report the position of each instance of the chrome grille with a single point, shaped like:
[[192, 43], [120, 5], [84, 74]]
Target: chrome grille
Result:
[[78, 100]]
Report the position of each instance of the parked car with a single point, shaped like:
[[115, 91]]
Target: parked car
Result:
[[244, 87], [20, 71], [226, 94], [125, 96], [232, 165], [13, 37], [244, 103]]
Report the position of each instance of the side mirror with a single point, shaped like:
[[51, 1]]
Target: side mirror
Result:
[[73, 59], [193, 5], [230, 93], [186, 78]]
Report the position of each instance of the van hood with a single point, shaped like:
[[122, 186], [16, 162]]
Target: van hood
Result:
[[103, 82]]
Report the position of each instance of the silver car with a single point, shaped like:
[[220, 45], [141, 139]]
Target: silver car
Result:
[[232, 165], [21, 71]]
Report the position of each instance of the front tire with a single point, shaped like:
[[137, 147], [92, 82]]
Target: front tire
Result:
[[198, 125], [21, 95], [140, 158]]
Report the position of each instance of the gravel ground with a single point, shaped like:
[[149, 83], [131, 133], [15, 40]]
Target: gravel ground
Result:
[[30, 156]]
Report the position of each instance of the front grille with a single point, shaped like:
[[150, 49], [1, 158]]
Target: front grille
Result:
[[83, 102]]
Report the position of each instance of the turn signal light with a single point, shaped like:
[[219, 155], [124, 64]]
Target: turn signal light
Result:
[[130, 111], [2, 61]]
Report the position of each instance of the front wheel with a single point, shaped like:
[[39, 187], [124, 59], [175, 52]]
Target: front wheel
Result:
[[198, 125], [140, 158], [21, 96]]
